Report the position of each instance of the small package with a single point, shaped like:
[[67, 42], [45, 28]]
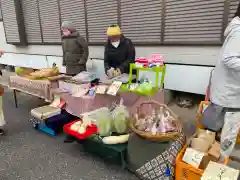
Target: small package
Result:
[[101, 89], [45, 112], [215, 171], [203, 141], [214, 151], [79, 90], [113, 89]]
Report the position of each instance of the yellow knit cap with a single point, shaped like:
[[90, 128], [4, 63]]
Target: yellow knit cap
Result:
[[113, 30]]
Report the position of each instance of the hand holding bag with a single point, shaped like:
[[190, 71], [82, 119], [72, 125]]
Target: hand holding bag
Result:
[[213, 115]]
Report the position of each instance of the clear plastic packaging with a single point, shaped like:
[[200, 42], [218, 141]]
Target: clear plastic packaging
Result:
[[103, 119], [120, 118]]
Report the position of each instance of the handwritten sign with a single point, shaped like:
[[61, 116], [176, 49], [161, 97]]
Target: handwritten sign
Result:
[[215, 171], [101, 89], [193, 157], [113, 89], [79, 91]]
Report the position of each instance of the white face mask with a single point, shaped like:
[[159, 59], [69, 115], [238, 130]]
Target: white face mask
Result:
[[116, 44]]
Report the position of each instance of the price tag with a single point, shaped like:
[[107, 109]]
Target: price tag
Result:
[[113, 89], [79, 91], [101, 89], [193, 157]]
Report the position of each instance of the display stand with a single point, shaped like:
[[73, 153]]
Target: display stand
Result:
[[157, 70]]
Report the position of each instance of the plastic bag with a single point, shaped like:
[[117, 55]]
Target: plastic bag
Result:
[[213, 117], [85, 76], [103, 119], [145, 88], [120, 118]]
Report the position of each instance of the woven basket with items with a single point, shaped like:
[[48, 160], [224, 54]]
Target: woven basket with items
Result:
[[43, 73], [156, 122]]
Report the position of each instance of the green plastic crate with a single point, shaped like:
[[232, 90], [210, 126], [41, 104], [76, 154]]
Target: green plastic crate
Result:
[[112, 153], [157, 70]]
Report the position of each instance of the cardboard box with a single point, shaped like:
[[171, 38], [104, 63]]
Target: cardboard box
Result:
[[214, 151], [213, 154]]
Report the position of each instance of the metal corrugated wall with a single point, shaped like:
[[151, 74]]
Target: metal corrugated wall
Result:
[[100, 14], [10, 21], [144, 21], [74, 11], [50, 20], [141, 20], [32, 21], [193, 21]]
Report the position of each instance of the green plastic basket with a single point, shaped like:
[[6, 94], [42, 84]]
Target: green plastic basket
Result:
[[157, 70]]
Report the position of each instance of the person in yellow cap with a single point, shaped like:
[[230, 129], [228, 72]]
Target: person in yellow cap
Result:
[[119, 52]]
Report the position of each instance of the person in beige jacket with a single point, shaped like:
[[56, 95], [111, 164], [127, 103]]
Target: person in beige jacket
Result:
[[2, 121]]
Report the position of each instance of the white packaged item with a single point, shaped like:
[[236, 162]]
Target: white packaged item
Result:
[[45, 112], [85, 77], [113, 89], [93, 115], [79, 90], [193, 157], [215, 171], [101, 89]]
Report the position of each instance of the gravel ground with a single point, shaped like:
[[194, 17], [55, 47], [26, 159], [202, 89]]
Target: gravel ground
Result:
[[26, 154]]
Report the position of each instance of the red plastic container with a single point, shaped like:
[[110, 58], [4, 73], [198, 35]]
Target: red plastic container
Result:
[[89, 131]]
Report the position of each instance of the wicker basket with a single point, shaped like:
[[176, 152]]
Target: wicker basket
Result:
[[159, 136]]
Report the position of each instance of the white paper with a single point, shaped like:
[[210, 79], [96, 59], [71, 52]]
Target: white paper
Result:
[[193, 157], [215, 171], [78, 91], [113, 89], [101, 89]]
